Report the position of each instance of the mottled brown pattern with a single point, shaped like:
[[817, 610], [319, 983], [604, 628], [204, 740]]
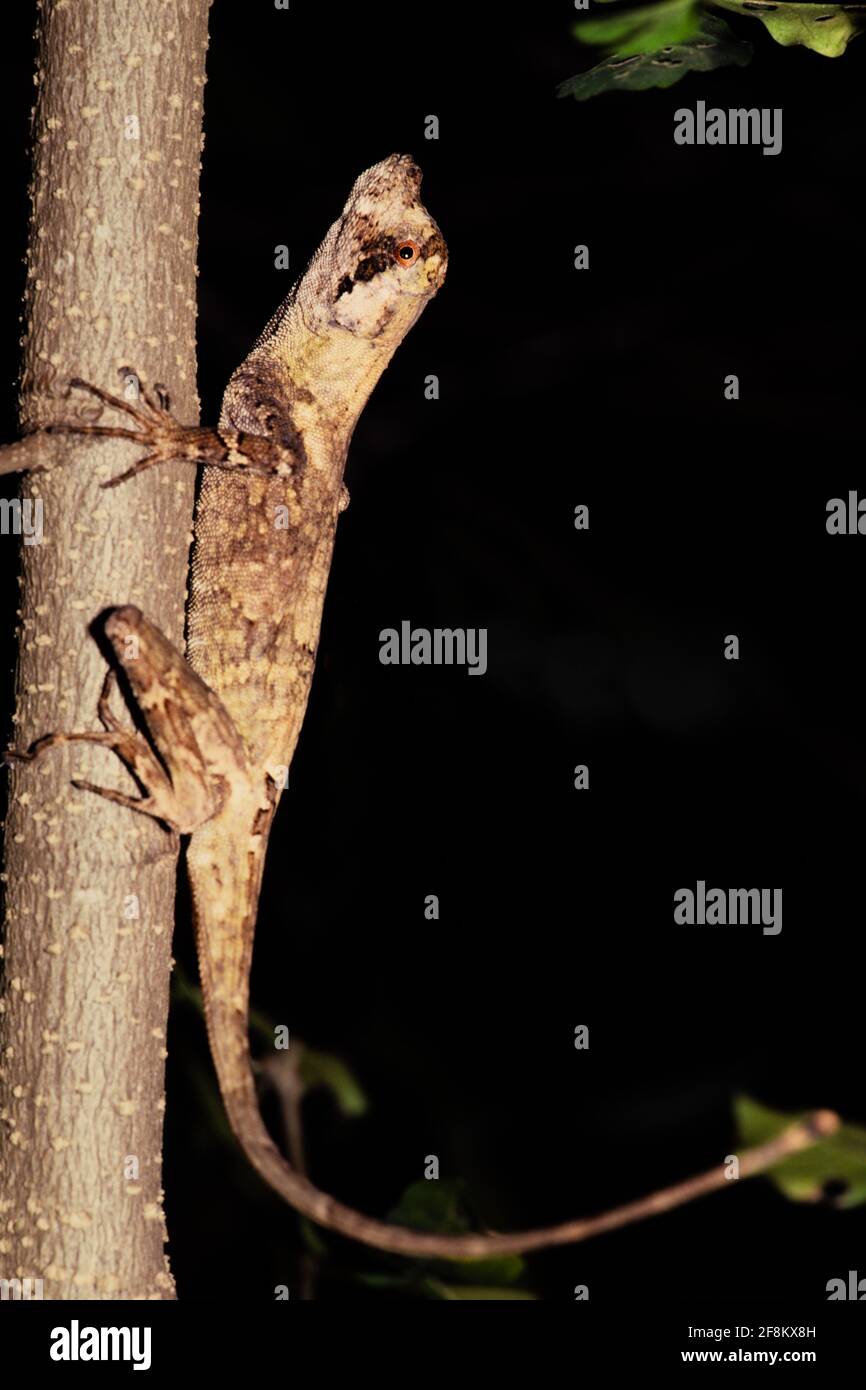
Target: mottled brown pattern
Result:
[[265, 523], [257, 588]]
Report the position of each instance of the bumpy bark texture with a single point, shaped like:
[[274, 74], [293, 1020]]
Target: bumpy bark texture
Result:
[[90, 886]]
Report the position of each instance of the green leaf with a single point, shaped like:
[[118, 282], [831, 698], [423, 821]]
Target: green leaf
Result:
[[839, 1159], [435, 1288], [644, 30], [373, 1279], [318, 1069], [324, 1069], [431, 1205], [713, 47], [437, 1205], [826, 29]]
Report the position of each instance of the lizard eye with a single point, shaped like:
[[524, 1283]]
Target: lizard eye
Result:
[[407, 252]]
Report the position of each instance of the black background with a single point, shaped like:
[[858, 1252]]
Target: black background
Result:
[[707, 517]]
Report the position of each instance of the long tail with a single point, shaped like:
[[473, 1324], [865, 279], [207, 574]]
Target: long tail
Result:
[[225, 923]]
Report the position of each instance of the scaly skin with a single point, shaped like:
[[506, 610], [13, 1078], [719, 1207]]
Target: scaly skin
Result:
[[226, 720]]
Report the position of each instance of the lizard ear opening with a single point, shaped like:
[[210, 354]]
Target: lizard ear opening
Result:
[[407, 252]]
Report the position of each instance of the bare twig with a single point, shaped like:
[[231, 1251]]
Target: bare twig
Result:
[[812, 1129], [284, 1075]]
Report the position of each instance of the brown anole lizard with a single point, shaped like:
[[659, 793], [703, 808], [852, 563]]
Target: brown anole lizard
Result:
[[223, 723]]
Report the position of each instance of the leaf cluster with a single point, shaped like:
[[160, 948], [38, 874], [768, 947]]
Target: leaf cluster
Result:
[[657, 43]]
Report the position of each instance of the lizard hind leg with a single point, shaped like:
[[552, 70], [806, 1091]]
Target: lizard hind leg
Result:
[[191, 753], [131, 748]]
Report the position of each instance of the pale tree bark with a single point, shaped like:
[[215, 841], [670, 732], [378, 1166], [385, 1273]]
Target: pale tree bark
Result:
[[90, 886]]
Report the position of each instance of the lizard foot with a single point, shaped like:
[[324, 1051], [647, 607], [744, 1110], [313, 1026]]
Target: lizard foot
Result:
[[157, 430], [136, 754], [167, 441]]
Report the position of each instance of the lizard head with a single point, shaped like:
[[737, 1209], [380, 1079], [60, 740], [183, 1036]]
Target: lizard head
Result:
[[382, 260], [379, 265]]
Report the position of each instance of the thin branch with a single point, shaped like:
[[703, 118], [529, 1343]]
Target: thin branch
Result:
[[33, 454], [811, 1130], [284, 1075]]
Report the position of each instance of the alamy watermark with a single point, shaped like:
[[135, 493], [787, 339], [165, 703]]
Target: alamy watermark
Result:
[[20, 1289], [846, 517], [77, 1343], [438, 646], [729, 907], [854, 1288], [755, 126], [22, 516]]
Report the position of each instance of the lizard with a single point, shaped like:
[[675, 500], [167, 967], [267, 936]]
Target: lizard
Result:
[[222, 722]]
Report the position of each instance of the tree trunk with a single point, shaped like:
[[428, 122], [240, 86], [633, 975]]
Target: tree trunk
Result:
[[91, 886]]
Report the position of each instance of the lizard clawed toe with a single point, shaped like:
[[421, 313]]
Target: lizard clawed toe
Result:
[[157, 430], [167, 441], [147, 805]]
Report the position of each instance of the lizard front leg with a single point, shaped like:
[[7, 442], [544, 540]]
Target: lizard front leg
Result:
[[166, 441], [195, 759]]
